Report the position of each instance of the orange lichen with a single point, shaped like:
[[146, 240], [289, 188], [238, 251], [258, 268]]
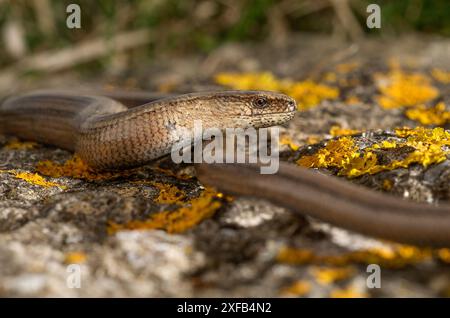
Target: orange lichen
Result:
[[347, 67], [75, 258], [429, 146], [400, 89], [20, 145], [336, 131], [307, 93], [437, 115], [76, 168], [444, 255], [73, 168], [387, 184], [349, 292], [35, 179], [168, 194], [440, 75], [351, 100], [296, 256], [177, 221], [328, 275], [398, 256], [298, 288]]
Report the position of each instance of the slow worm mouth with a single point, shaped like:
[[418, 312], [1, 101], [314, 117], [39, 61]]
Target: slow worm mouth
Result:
[[285, 113]]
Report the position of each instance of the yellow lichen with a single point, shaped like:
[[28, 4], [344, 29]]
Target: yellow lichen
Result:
[[73, 168], [76, 168], [437, 115], [286, 140], [429, 146], [336, 131], [35, 179], [313, 139], [398, 256], [75, 258], [444, 255], [347, 67], [307, 93], [349, 292], [351, 100], [298, 288], [330, 77], [328, 275], [296, 256], [432, 145], [248, 81], [168, 194], [387, 184], [400, 89], [177, 221], [20, 145], [336, 153], [405, 132], [440, 75]]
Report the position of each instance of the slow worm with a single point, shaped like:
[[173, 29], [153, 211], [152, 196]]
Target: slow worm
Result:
[[107, 134], [335, 201], [124, 130]]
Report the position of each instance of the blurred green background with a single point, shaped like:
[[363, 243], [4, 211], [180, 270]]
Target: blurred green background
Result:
[[181, 26]]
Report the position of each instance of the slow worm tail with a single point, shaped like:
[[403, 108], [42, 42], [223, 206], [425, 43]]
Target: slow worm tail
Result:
[[335, 201], [52, 118]]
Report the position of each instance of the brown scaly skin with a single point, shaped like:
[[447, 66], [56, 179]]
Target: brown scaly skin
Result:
[[332, 200], [108, 135]]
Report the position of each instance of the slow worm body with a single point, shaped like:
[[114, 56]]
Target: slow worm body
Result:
[[107, 134], [335, 201]]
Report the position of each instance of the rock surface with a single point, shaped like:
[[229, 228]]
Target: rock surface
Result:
[[155, 231]]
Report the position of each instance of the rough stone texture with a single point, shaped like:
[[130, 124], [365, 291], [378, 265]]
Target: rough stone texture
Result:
[[234, 253]]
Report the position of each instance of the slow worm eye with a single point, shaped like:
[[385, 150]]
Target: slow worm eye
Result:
[[260, 102], [291, 104]]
